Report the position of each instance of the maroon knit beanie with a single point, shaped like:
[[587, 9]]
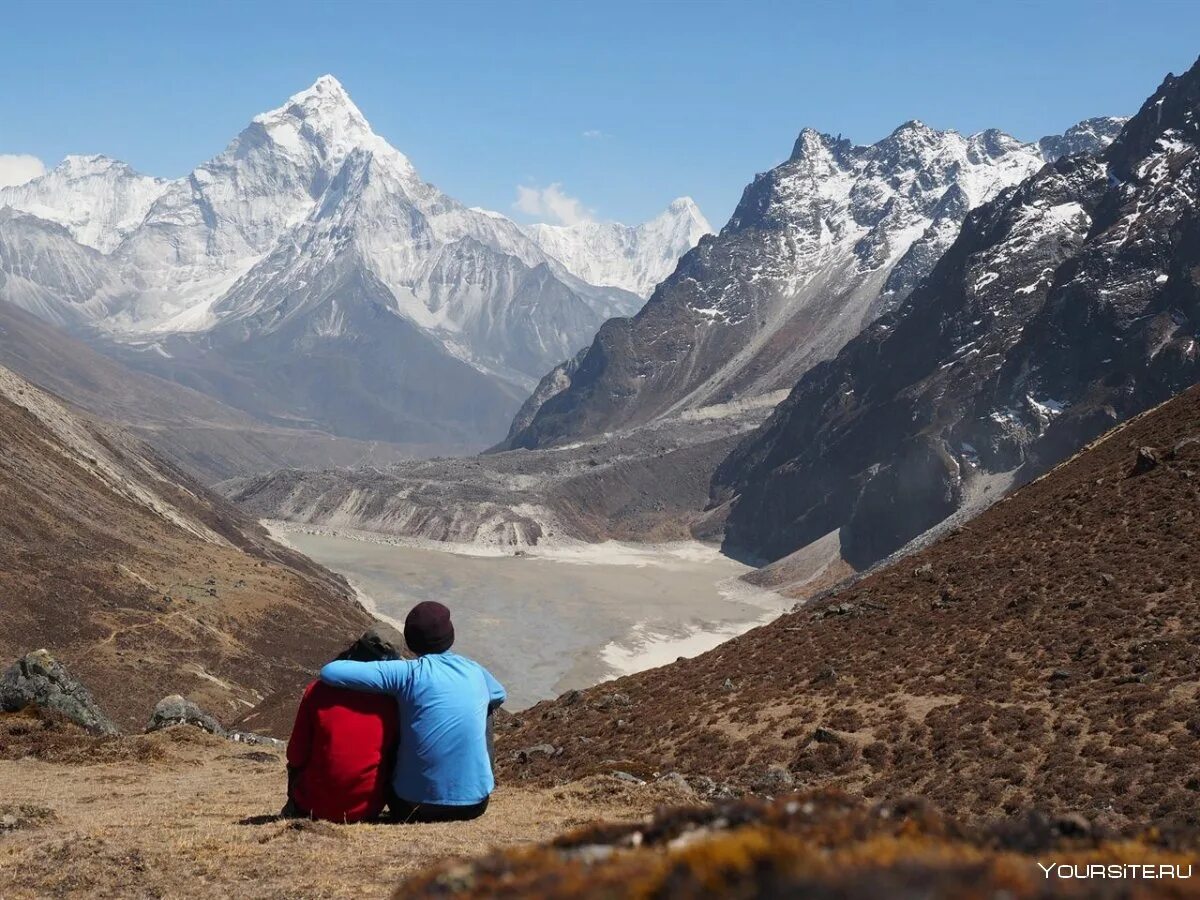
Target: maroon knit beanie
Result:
[[428, 628]]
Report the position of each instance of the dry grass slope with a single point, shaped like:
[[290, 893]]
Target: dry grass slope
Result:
[[142, 582], [1046, 654], [180, 813]]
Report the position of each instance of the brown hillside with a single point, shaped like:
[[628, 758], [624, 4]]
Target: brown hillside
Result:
[[1048, 653], [142, 582]]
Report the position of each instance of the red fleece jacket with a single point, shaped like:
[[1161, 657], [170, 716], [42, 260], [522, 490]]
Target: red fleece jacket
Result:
[[343, 744]]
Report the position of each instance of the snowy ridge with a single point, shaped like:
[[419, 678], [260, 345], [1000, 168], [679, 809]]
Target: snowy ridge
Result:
[[100, 201], [633, 257], [817, 249]]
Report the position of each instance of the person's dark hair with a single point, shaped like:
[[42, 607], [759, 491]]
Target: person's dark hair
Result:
[[375, 645]]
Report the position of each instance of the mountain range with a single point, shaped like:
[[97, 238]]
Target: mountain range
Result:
[[817, 248], [309, 277], [1064, 307], [820, 247]]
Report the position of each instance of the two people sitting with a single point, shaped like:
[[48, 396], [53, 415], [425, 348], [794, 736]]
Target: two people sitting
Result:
[[413, 735]]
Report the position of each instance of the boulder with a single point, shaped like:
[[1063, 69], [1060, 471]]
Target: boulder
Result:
[[774, 781], [38, 679], [677, 782], [177, 710], [1145, 460], [528, 753]]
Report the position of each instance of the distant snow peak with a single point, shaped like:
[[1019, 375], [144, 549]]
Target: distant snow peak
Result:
[[1089, 136], [634, 258], [99, 200]]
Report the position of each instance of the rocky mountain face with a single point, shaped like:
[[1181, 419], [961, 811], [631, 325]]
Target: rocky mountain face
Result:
[[649, 484], [43, 269], [1063, 307], [308, 276], [141, 582], [632, 257], [817, 248], [1049, 617]]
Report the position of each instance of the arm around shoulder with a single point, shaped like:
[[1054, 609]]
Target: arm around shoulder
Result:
[[386, 677]]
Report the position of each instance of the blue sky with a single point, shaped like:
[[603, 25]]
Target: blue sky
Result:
[[624, 105]]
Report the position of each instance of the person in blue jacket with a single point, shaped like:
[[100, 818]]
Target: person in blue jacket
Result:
[[443, 765]]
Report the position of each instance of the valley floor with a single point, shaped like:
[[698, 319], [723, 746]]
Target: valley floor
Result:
[[181, 813], [602, 610]]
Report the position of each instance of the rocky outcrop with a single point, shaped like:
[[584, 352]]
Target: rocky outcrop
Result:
[[1064, 307], [177, 710], [39, 680]]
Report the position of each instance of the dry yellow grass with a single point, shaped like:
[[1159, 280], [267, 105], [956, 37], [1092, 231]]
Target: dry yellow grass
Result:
[[191, 815]]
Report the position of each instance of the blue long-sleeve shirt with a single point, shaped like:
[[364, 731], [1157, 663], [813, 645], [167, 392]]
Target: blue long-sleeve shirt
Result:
[[443, 702]]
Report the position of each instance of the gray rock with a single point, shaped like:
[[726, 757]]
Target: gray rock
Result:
[[38, 679], [774, 781], [1146, 459], [626, 777], [177, 710], [678, 782], [709, 789], [528, 753], [258, 740]]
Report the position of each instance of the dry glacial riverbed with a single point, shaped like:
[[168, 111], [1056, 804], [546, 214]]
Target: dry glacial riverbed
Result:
[[554, 619]]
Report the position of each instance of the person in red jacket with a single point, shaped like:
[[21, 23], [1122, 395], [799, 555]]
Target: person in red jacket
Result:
[[343, 744]]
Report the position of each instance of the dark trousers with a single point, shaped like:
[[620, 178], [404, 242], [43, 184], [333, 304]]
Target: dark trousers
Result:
[[404, 811]]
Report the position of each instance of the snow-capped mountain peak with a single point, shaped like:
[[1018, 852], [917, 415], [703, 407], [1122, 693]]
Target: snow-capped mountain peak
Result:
[[818, 248], [309, 237], [325, 118], [99, 200], [632, 257]]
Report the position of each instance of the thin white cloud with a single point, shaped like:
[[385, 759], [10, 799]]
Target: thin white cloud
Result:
[[18, 168], [551, 203], [593, 134]]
